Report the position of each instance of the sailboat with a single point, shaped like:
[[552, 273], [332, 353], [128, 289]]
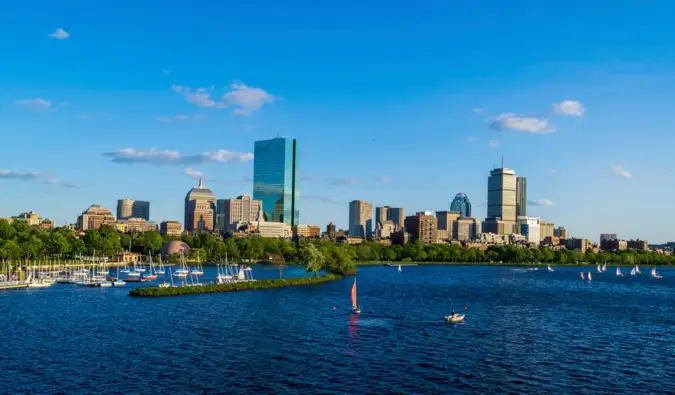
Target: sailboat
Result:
[[618, 272], [399, 269], [604, 267], [355, 307], [224, 276], [590, 277], [598, 268], [150, 275], [655, 274], [199, 270], [182, 271], [637, 269], [160, 269], [582, 275], [550, 269], [633, 272]]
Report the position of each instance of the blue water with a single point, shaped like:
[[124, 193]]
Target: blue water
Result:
[[525, 332]]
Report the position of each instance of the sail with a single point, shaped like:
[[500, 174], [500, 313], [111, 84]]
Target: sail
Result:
[[632, 272], [637, 269], [618, 272], [654, 272], [354, 294], [582, 275], [604, 267], [599, 269], [589, 276], [241, 275]]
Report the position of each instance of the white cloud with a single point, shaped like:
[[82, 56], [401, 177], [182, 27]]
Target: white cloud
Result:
[[494, 143], [245, 99], [193, 173], [470, 139], [36, 104], [56, 181], [345, 181], [622, 171], [22, 175], [540, 202], [527, 124], [60, 34], [167, 157], [570, 107]]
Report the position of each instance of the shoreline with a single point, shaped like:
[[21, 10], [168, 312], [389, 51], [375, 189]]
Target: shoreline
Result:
[[153, 292], [523, 264]]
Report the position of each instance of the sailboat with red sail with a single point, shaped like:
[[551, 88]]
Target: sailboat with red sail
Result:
[[355, 307]]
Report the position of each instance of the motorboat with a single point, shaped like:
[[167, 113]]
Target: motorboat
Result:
[[118, 283], [454, 318]]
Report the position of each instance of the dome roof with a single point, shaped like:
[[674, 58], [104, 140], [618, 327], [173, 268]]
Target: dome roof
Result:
[[174, 247]]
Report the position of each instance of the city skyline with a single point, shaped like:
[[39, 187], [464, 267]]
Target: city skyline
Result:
[[161, 120]]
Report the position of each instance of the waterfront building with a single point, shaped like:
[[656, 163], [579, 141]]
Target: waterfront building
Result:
[[461, 204], [200, 208], [502, 200], [94, 217], [521, 197], [546, 229], [360, 218], [494, 226], [578, 244], [400, 237], [133, 224], [442, 235], [613, 245], [174, 247], [307, 231], [232, 211], [638, 244], [465, 229], [272, 229], [127, 208], [445, 221], [330, 231], [275, 179], [422, 227], [561, 232], [530, 227], [381, 215], [170, 228]]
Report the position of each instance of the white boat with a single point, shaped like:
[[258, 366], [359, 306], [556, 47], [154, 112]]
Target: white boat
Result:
[[655, 274], [590, 277], [604, 267], [125, 270], [637, 269], [118, 283], [199, 270], [633, 272], [618, 272], [106, 283], [399, 269], [454, 318], [133, 274], [164, 285], [160, 269], [599, 268], [549, 268], [38, 283]]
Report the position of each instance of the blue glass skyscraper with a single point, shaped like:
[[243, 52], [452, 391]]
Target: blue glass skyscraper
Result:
[[275, 179], [462, 204]]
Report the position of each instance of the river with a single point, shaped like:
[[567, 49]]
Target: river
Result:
[[525, 332]]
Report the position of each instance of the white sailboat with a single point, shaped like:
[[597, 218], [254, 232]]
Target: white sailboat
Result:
[[655, 274], [633, 272], [618, 272], [199, 270], [549, 268], [223, 276], [599, 268], [160, 269], [582, 275], [399, 269], [637, 269], [590, 276], [604, 267]]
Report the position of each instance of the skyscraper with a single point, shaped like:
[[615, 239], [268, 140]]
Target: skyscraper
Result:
[[127, 208], [521, 197], [360, 218], [200, 208], [502, 197], [461, 204], [242, 209], [382, 214], [275, 179]]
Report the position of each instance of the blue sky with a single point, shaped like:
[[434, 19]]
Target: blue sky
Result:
[[397, 103]]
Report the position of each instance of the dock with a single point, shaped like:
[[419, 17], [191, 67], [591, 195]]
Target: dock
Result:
[[13, 285]]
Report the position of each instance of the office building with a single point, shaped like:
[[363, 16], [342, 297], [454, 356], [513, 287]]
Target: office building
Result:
[[272, 229], [360, 218], [200, 208], [381, 214], [638, 244], [94, 217], [608, 236], [521, 197], [307, 231], [330, 231], [397, 216], [385, 229], [561, 232], [445, 220], [502, 198], [546, 229], [613, 245], [461, 204], [422, 227], [232, 211], [530, 227], [127, 208], [495, 226], [134, 225], [465, 229], [275, 179], [170, 228]]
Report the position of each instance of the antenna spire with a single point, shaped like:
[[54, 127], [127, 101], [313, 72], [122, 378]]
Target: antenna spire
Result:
[[502, 161], [201, 182]]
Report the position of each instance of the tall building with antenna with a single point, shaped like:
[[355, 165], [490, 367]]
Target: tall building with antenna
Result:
[[501, 207]]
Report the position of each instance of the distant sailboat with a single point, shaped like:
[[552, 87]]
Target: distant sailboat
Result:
[[618, 272], [655, 274], [604, 267], [633, 272], [590, 276], [582, 275], [399, 269], [637, 269], [598, 268], [550, 269], [355, 307]]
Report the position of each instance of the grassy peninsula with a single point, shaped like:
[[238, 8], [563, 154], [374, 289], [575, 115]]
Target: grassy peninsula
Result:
[[240, 286]]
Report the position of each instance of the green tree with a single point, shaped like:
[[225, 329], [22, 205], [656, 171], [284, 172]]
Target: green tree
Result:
[[152, 241], [57, 244], [312, 257], [7, 231]]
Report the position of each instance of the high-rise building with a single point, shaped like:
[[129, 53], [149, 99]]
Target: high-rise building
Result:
[[397, 216], [381, 214], [546, 229], [608, 236], [200, 208], [232, 211], [127, 208], [170, 228], [530, 227], [521, 197], [445, 220], [330, 231], [561, 232], [422, 227], [502, 198], [360, 218], [275, 179], [465, 229], [94, 217], [386, 213], [461, 204]]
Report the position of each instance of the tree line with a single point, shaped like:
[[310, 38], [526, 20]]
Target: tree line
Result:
[[18, 241]]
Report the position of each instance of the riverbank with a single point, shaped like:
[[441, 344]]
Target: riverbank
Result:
[[396, 263], [239, 286]]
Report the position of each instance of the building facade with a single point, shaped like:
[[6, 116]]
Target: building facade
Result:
[[502, 198], [608, 236], [530, 227], [127, 208], [546, 229], [232, 211], [561, 232], [275, 179], [134, 225], [521, 197], [360, 218], [272, 229], [397, 216], [307, 231], [422, 227], [200, 208], [465, 229], [94, 217], [170, 228], [445, 221], [461, 204], [330, 231]]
